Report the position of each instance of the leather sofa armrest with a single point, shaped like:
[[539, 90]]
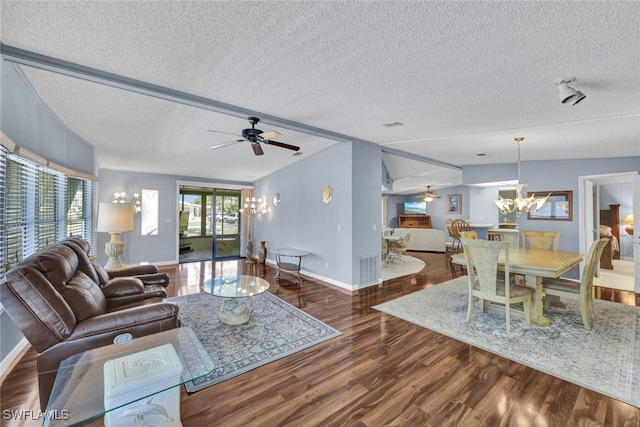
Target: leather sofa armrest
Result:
[[133, 270], [101, 330], [154, 279], [123, 286], [127, 319]]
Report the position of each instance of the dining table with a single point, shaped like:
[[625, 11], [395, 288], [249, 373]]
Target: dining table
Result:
[[534, 265]]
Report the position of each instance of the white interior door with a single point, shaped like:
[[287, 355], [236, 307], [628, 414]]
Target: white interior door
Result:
[[589, 220], [636, 231]]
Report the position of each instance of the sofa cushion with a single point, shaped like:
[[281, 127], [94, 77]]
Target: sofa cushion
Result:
[[84, 296], [58, 264]]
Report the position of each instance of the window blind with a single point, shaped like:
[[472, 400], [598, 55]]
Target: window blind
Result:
[[40, 206]]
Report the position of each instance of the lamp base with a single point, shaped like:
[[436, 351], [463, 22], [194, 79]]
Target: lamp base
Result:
[[114, 250]]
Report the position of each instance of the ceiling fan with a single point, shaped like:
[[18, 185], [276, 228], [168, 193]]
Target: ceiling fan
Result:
[[428, 196], [255, 137]]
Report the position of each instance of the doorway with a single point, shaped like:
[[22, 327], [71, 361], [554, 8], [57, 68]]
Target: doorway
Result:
[[602, 195], [209, 223]]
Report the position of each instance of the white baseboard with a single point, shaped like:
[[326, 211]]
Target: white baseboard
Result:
[[8, 362]]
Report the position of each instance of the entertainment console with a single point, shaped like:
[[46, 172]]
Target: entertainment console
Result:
[[414, 221]]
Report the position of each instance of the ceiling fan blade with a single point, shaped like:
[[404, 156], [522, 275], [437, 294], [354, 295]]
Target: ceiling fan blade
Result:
[[270, 134], [226, 133], [224, 144], [282, 145], [257, 149]]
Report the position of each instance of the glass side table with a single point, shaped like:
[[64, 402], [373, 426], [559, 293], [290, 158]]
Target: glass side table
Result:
[[78, 391], [290, 260]]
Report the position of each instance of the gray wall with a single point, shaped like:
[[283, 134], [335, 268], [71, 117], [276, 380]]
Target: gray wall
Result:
[[30, 124], [159, 249], [337, 234]]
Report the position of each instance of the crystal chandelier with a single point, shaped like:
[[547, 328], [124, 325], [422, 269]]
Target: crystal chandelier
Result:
[[254, 206], [121, 197], [520, 204]]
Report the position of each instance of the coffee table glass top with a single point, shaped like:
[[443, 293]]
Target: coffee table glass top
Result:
[[78, 391], [238, 286]]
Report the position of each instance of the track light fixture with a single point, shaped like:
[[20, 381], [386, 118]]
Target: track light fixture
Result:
[[568, 95]]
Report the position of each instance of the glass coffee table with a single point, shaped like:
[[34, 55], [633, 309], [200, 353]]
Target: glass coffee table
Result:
[[236, 292], [78, 391]]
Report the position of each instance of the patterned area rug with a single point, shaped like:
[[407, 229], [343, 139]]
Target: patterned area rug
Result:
[[276, 329], [605, 359]]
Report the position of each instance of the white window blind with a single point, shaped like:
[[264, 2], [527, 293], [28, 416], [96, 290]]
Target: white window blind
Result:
[[40, 206]]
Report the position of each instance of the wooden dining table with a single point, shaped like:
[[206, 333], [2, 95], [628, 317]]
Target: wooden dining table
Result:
[[534, 265]]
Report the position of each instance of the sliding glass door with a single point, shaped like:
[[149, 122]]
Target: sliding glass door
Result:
[[226, 242]]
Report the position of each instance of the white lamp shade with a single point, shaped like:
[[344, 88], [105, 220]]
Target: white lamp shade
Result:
[[115, 217]]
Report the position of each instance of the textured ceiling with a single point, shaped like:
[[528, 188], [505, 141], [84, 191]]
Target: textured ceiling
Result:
[[463, 78]]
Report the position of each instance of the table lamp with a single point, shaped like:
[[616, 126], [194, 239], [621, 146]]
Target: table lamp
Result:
[[114, 218], [628, 220]]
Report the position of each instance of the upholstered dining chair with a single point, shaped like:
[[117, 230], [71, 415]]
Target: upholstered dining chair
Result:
[[485, 282], [541, 239], [583, 288]]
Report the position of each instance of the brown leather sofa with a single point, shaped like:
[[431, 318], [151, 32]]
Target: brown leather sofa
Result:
[[65, 304]]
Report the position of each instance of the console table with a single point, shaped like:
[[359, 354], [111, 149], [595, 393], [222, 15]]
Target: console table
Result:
[[78, 391], [291, 263]]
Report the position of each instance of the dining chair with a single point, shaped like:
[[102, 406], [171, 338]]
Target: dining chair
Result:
[[540, 239], [397, 248], [485, 284], [583, 288], [458, 226], [469, 234], [384, 248]]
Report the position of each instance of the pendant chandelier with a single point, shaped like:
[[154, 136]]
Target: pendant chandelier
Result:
[[520, 204]]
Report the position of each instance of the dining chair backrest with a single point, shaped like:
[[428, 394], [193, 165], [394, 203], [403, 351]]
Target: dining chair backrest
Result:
[[469, 234], [486, 282], [482, 265], [541, 239], [591, 263], [458, 226], [584, 289]]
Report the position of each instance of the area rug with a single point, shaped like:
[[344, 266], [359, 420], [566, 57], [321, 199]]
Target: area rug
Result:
[[395, 269], [605, 359], [276, 329]]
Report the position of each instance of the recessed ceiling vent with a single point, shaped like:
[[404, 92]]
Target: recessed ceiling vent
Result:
[[392, 124]]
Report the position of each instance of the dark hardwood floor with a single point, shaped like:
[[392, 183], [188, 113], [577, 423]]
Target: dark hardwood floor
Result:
[[382, 371]]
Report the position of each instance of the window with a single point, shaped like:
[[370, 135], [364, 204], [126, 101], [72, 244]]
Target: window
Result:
[[149, 217], [40, 206]]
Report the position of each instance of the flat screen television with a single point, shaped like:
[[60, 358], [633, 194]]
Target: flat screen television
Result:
[[415, 208]]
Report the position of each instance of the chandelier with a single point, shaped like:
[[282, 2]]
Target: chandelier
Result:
[[121, 197], [253, 206], [520, 204]]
